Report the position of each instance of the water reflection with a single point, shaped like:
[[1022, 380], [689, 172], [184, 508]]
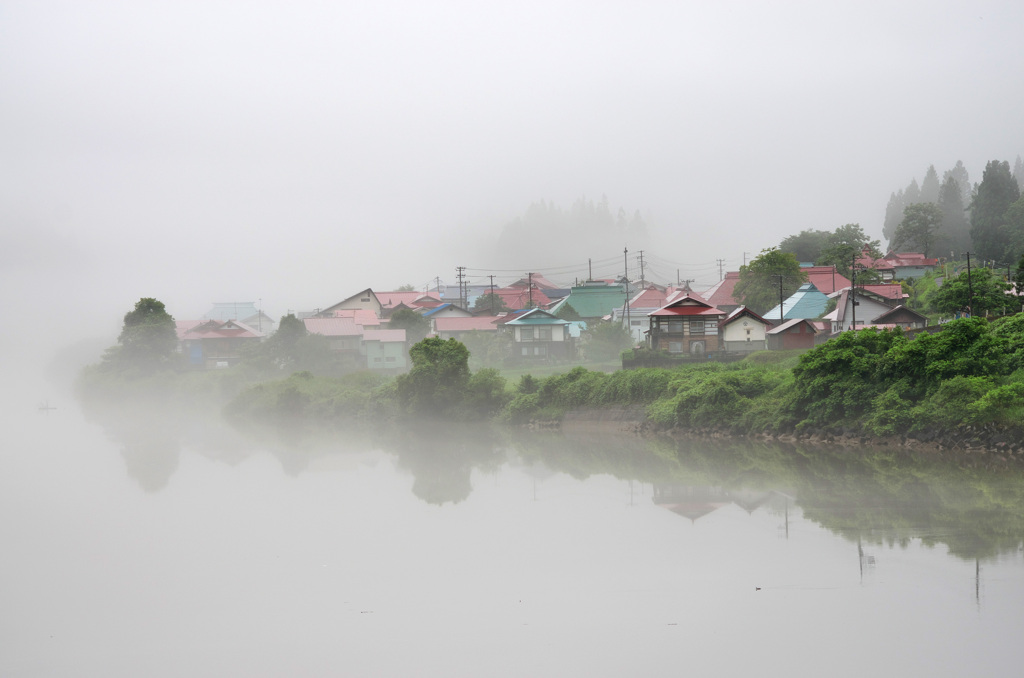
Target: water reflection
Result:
[[973, 506]]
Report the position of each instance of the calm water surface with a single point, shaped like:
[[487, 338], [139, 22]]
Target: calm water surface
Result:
[[153, 547]]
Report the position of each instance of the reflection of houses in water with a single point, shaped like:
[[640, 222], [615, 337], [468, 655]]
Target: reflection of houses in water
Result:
[[696, 501]]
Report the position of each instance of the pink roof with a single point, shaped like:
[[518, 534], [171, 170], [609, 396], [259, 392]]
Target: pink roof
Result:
[[688, 305], [519, 297], [889, 291], [722, 293], [484, 323], [360, 316], [539, 281], [822, 277], [214, 329], [386, 336], [652, 297], [894, 260], [333, 327]]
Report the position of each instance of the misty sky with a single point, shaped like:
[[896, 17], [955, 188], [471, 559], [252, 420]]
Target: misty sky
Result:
[[299, 152]]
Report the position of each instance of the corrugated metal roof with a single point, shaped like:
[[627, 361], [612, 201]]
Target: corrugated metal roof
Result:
[[807, 302], [484, 323], [594, 300], [537, 316]]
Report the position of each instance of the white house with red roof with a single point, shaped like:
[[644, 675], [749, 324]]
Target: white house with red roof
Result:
[[898, 265], [686, 325]]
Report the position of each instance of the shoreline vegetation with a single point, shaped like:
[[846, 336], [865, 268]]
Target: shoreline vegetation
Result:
[[958, 389]]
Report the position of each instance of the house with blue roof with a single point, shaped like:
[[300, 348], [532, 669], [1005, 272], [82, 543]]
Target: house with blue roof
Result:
[[807, 302]]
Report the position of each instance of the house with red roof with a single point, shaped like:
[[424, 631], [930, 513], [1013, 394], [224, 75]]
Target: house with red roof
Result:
[[798, 333], [687, 325], [215, 343], [454, 327], [523, 297], [898, 265], [721, 295]]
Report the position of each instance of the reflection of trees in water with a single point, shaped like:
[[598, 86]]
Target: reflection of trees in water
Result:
[[150, 455], [878, 496], [442, 458]]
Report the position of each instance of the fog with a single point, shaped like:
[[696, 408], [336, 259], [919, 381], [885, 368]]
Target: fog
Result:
[[295, 153]]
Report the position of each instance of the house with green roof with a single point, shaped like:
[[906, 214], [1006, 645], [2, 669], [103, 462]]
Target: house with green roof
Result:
[[540, 335], [807, 302], [593, 299]]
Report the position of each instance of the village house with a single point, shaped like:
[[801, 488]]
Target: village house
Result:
[[798, 333], [214, 343], [539, 335], [743, 331], [385, 350], [687, 325], [593, 300], [806, 302], [898, 265]]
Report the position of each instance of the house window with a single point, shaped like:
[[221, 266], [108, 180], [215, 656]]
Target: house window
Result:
[[696, 328], [675, 325], [635, 322], [545, 333], [525, 334], [675, 347]]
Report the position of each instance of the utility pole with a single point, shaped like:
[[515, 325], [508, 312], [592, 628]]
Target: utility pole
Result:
[[745, 258], [530, 280], [721, 275], [590, 269], [642, 278], [782, 315], [853, 292], [970, 288], [460, 276], [625, 285], [492, 293]]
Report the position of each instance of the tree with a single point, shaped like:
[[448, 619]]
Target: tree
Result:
[[807, 245], [845, 246], [414, 324], [963, 180], [567, 312], [954, 234], [148, 339], [438, 379], [919, 228], [1018, 173], [490, 303], [930, 186], [758, 286], [1014, 219], [893, 215], [406, 288], [981, 293], [996, 192], [607, 340]]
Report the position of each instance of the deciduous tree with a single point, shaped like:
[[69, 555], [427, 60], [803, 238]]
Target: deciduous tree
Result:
[[758, 286], [919, 228], [148, 338]]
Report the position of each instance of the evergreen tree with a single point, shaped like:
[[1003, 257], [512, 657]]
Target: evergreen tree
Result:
[[954, 237], [845, 245], [912, 194], [930, 186], [997, 191], [919, 228], [963, 180], [893, 215], [1015, 229], [491, 304], [1018, 173]]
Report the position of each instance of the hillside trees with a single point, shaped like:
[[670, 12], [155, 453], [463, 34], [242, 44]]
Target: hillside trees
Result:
[[806, 245], [919, 229], [981, 291], [954, 233], [845, 245]]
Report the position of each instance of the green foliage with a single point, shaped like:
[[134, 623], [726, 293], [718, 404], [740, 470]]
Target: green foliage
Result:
[[486, 393], [759, 284], [807, 245], [438, 379], [982, 292], [489, 303], [487, 348], [996, 192], [919, 229], [148, 339], [606, 340], [414, 324], [567, 312], [845, 246]]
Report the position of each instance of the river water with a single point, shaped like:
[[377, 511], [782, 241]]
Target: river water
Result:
[[160, 546]]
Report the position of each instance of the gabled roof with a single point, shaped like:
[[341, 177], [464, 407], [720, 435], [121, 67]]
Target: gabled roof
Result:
[[594, 299], [722, 293], [653, 296], [357, 297], [539, 282], [215, 329], [688, 305], [826, 278], [741, 312], [779, 329], [806, 302], [232, 310], [520, 297], [333, 327], [537, 316], [901, 311], [411, 299], [449, 307], [360, 316]]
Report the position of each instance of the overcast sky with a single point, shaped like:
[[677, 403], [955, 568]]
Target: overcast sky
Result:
[[297, 152]]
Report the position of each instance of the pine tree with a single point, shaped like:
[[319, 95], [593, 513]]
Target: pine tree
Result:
[[959, 172], [893, 215], [954, 237], [997, 191], [930, 186]]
